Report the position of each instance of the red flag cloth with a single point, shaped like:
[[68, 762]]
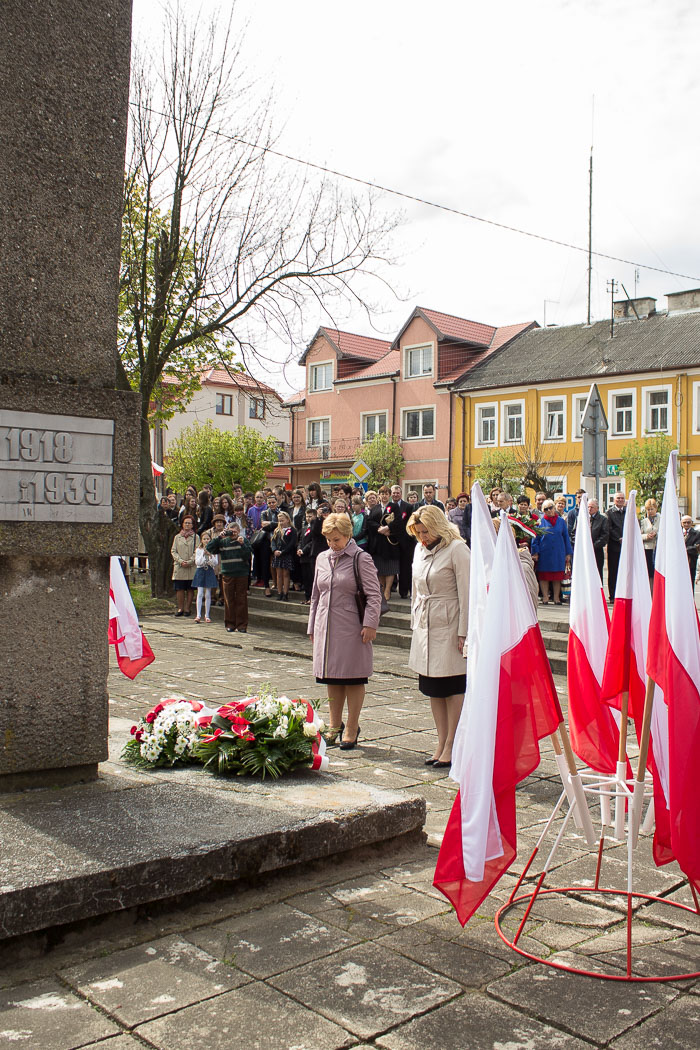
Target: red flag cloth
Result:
[[511, 704], [673, 661], [594, 733], [625, 669], [133, 651]]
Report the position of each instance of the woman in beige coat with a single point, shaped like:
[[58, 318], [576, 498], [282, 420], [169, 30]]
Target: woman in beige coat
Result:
[[439, 615], [183, 548]]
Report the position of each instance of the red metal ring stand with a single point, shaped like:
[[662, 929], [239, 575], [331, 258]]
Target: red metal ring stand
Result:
[[578, 891]]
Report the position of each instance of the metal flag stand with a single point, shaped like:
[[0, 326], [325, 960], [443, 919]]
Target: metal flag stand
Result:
[[625, 792]]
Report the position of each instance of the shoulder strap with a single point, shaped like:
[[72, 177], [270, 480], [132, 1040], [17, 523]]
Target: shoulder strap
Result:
[[358, 581]]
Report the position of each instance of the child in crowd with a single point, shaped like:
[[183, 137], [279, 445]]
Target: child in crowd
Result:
[[235, 553], [211, 565], [284, 543]]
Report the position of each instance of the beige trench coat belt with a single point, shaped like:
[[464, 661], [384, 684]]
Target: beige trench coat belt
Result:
[[422, 607]]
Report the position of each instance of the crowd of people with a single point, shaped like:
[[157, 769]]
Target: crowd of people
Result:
[[352, 552]]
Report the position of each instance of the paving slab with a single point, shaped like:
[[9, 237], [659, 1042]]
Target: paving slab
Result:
[[46, 1016], [82, 851], [255, 1017], [367, 989], [671, 1030], [585, 1006], [153, 979], [479, 1023], [287, 938], [468, 967]]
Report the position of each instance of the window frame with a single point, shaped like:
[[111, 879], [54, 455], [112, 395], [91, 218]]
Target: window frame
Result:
[[220, 396], [317, 419], [695, 429], [421, 409], [313, 366], [364, 416], [647, 391], [252, 402], [408, 350], [576, 415], [478, 408], [559, 439], [612, 395], [505, 440]]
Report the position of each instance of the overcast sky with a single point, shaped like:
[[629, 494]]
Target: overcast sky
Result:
[[488, 108]]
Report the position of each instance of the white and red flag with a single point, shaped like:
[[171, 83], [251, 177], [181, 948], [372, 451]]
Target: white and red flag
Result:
[[625, 667], [594, 732], [511, 704], [133, 651], [673, 661]]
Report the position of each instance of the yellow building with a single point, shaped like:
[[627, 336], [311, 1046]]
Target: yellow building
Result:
[[529, 396]]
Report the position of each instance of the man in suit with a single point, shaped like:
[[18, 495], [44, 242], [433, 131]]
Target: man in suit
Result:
[[691, 536], [616, 523], [599, 534], [402, 512], [429, 498]]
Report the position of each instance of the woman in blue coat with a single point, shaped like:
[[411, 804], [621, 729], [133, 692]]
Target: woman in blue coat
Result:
[[551, 552]]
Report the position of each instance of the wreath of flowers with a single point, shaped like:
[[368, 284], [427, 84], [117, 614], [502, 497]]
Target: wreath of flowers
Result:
[[260, 736]]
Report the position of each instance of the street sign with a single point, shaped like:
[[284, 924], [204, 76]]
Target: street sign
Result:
[[613, 470], [570, 501], [594, 429], [360, 470]]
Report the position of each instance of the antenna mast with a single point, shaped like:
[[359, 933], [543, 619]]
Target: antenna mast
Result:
[[590, 215]]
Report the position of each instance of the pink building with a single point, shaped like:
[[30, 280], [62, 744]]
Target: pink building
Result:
[[357, 387]]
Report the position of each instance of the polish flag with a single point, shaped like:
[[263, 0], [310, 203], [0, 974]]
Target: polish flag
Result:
[[625, 668], [594, 732], [133, 651], [511, 704], [673, 661]]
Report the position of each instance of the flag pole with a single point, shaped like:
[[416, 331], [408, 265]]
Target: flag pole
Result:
[[576, 786], [638, 797], [621, 783]]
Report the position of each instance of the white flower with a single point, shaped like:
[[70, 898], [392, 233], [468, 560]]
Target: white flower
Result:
[[310, 729], [279, 733]]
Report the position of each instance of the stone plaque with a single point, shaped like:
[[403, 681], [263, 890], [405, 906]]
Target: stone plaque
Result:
[[55, 468]]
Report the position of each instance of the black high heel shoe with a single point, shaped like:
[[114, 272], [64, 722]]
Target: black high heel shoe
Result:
[[348, 745]]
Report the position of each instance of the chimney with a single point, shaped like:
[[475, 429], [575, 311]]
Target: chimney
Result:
[[624, 309], [683, 302]]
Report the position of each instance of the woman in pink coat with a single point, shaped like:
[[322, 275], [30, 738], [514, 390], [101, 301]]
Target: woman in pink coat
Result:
[[342, 640]]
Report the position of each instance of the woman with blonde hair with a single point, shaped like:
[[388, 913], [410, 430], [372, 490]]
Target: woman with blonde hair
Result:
[[283, 544], [650, 532], [343, 620], [439, 616]]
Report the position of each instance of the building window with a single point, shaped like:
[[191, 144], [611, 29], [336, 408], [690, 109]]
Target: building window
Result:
[[256, 409], [321, 376], [609, 490], [373, 423], [657, 415], [622, 415], [696, 408], [419, 423], [318, 432], [486, 425], [224, 404], [553, 415], [579, 405], [419, 362], [513, 422]]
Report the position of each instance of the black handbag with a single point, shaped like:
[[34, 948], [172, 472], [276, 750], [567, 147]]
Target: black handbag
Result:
[[360, 596]]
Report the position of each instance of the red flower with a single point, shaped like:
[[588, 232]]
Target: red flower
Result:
[[232, 710], [157, 709], [195, 705], [204, 721], [215, 734], [151, 717], [133, 730], [138, 735]]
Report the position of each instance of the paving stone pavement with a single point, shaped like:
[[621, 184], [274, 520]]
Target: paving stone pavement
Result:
[[360, 950]]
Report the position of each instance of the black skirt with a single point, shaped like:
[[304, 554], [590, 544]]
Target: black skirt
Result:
[[440, 687], [342, 681]]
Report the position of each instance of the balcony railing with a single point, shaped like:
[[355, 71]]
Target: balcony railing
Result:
[[338, 450]]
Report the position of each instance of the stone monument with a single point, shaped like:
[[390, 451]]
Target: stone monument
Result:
[[69, 440]]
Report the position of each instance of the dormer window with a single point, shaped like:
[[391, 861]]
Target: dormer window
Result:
[[321, 376], [418, 362]]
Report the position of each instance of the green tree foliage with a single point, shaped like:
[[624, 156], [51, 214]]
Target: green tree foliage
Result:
[[202, 453], [644, 465], [499, 468], [384, 456]]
